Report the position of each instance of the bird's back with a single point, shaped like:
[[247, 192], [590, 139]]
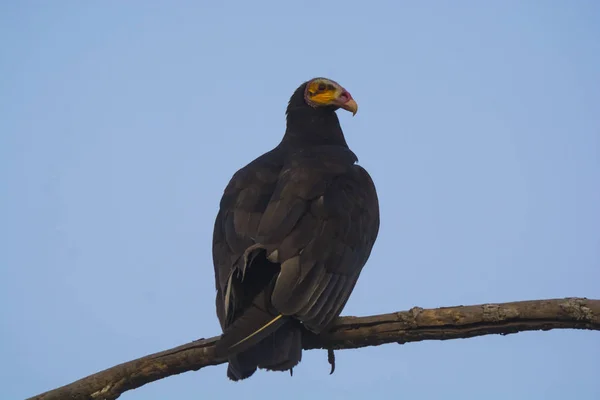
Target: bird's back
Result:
[[312, 215]]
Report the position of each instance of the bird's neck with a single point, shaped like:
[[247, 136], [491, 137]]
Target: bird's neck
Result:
[[307, 127]]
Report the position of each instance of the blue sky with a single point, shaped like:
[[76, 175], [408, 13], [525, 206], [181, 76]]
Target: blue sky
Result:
[[122, 122]]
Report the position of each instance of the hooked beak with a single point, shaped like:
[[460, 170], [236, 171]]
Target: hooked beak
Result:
[[346, 102], [351, 106]]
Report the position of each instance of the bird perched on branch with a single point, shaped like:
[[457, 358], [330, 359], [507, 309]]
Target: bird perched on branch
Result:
[[294, 229]]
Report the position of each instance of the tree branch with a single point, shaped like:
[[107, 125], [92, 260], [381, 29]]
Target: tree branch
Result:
[[414, 325]]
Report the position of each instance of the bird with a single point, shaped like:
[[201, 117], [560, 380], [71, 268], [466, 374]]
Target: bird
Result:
[[292, 234]]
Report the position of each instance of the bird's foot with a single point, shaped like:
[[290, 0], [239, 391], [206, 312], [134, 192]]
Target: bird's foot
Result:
[[331, 359]]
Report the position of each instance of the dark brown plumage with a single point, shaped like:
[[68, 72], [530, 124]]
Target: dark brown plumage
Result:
[[294, 229]]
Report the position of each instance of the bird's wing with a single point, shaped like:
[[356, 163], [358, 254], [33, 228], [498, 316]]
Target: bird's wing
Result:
[[320, 224], [240, 211]]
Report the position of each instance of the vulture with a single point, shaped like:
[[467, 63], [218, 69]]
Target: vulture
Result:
[[294, 229]]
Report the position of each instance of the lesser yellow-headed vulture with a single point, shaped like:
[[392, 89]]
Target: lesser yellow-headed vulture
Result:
[[294, 229]]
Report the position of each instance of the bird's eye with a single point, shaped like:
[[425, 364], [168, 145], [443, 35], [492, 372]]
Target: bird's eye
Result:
[[322, 86]]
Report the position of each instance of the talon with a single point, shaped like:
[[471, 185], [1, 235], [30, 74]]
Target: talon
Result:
[[331, 359]]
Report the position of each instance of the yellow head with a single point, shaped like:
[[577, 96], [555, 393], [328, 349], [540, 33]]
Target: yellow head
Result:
[[325, 92]]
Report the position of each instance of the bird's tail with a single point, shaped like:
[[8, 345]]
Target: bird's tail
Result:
[[280, 351], [260, 338], [254, 324]]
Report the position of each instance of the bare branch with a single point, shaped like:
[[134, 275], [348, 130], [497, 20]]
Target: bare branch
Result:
[[414, 325]]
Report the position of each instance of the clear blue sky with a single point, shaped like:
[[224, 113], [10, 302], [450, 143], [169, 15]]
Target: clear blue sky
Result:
[[121, 123]]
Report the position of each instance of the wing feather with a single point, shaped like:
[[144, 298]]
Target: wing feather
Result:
[[346, 216]]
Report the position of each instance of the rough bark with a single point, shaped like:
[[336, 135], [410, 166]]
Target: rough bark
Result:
[[414, 325]]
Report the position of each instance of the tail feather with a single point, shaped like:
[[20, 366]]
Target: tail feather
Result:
[[283, 349], [255, 323], [255, 334], [242, 365], [280, 351]]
